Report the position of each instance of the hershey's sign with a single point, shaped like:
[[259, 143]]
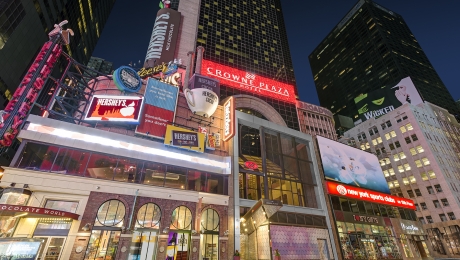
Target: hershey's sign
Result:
[[164, 37]]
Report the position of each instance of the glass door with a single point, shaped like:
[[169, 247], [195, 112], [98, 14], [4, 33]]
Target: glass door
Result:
[[51, 248], [103, 245]]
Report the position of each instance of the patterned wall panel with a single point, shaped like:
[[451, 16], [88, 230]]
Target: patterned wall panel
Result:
[[252, 246], [263, 243], [295, 243]]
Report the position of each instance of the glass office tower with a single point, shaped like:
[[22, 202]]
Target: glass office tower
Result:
[[370, 48]]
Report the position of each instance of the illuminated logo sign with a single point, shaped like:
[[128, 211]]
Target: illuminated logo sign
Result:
[[115, 108], [368, 195], [165, 69], [184, 138], [126, 79], [159, 109], [249, 82], [409, 227], [366, 219], [342, 190], [251, 165], [164, 37], [199, 81], [229, 119]]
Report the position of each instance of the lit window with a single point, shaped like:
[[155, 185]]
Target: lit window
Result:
[[405, 181], [400, 168], [395, 157], [374, 141], [412, 179], [431, 174], [386, 173], [407, 167], [424, 177], [379, 140], [396, 184], [391, 171], [420, 149], [390, 185], [402, 155], [409, 127], [403, 129], [393, 134], [412, 151], [387, 136], [418, 163], [425, 161]]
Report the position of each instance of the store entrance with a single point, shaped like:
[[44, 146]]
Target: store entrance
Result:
[[103, 244], [51, 248], [421, 248]]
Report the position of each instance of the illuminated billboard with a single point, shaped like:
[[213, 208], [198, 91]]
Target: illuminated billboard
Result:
[[184, 138], [384, 100], [338, 189], [159, 109], [351, 166], [115, 109], [248, 81]]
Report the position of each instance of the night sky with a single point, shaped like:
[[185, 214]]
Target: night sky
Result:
[[435, 24]]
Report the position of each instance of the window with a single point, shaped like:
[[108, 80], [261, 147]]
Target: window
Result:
[[429, 219], [438, 188], [111, 213], [407, 167], [412, 179], [400, 168], [418, 163], [411, 194], [392, 146], [431, 174], [408, 141], [417, 208], [149, 216], [388, 123], [397, 144], [444, 202], [181, 218], [436, 204], [422, 220], [442, 217], [424, 176], [409, 127], [403, 129], [413, 151], [451, 216], [423, 205], [419, 149], [430, 189], [383, 126], [414, 137], [418, 193], [405, 181]]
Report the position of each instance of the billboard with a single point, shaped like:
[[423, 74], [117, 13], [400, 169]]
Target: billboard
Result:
[[351, 166], [382, 101], [159, 109], [126, 79], [115, 109], [248, 81], [162, 43], [351, 192], [184, 138]]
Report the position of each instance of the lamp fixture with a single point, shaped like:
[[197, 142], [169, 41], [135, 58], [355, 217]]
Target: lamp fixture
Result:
[[166, 230], [86, 227], [13, 184]]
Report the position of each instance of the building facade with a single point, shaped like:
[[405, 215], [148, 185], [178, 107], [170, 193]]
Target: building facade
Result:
[[418, 150], [370, 48], [101, 65], [315, 120]]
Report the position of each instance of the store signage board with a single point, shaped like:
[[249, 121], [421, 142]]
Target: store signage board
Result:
[[115, 109], [251, 165], [248, 81], [200, 81], [34, 211], [343, 190], [159, 109], [126, 79], [229, 119], [184, 138]]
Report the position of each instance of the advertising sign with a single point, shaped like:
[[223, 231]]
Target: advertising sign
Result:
[[248, 81], [357, 218], [126, 79], [27, 249], [229, 119], [351, 192], [159, 108], [115, 109], [184, 138], [200, 81], [34, 211], [351, 166], [164, 37], [382, 101]]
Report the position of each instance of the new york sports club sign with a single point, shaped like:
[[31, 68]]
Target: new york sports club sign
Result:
[[249, 82], [351, 192]]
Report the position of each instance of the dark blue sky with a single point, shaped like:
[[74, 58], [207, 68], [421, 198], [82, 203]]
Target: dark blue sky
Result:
[[435, 24]]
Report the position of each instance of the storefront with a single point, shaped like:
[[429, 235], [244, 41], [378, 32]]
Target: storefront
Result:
[[412, 237]]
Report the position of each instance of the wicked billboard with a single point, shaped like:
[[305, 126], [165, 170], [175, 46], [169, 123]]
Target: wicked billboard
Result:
[[385, 100]]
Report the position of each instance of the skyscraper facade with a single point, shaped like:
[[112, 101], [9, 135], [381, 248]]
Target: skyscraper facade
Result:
[[24, 27], [249, 36], [371, 48], [101, 65]]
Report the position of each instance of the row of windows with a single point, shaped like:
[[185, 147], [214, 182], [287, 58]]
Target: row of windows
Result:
[[429, 219]]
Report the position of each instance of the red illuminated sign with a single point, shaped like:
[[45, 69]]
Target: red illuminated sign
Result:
[[251, 165], [249, 82], [115, 108], [338, 189]]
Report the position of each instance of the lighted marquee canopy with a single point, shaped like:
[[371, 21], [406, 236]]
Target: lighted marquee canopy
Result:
[[248, 81]]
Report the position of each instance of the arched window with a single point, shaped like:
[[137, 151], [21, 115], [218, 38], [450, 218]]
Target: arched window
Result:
[[210, 220], [252, 112], [149, 216], [181, 218], [209, 237], [111, 213]]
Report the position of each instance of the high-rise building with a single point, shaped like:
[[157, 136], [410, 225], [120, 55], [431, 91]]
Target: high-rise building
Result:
[[371, 48], [101, 65], [24, 26], [315, 120], [419, 152], [248, 36]]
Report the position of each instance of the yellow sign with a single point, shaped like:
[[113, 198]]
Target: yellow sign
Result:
[[175, 136]]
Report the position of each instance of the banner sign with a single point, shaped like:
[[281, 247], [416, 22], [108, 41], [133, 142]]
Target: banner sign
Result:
[[40, 212], [200, 81], [334, 188], [159, 109], [126, 79], [248, 81], [184, 138], [351, 166], [180, 138], [229, 119], [115, 109], [385, 100], [164, 38]]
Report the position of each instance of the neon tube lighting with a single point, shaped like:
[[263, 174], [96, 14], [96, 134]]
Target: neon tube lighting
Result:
[[123, 145]]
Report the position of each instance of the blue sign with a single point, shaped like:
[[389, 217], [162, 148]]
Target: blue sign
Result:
[[126, 79], [161, 95]]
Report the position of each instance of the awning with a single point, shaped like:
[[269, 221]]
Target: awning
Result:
[[34, 212]]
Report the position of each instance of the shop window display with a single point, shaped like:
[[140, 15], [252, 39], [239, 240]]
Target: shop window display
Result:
[[179, 236], [145, 236]]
